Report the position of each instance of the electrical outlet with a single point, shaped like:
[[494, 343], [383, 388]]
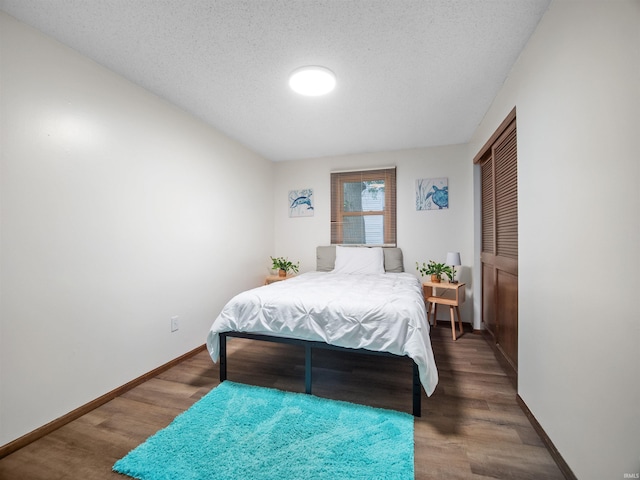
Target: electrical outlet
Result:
[[174, 323]]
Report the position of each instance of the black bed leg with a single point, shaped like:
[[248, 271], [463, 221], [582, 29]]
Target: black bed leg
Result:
[[307, 368], [223, 357], [417, 392]]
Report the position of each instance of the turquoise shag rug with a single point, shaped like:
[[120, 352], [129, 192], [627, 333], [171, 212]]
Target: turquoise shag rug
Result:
[[244, 432]]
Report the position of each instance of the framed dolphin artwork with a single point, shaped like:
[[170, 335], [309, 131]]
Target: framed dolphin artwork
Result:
[[301, 203]]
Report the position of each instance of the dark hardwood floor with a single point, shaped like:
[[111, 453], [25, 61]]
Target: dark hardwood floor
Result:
[[471, 428]]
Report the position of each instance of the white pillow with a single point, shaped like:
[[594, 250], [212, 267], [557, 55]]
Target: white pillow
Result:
[[360, 260]]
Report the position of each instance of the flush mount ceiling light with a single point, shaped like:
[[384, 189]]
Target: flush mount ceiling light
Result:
[[312, 81]]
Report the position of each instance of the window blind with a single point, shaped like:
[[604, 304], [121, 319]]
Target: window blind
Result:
[[363, 207]]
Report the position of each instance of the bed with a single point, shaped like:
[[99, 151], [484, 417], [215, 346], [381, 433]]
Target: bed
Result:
[[359, 299]]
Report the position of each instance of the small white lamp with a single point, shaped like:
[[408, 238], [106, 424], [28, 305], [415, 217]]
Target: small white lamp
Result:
[[453, 259]]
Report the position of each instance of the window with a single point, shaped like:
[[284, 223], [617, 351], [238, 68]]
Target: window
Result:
[[363, 207]]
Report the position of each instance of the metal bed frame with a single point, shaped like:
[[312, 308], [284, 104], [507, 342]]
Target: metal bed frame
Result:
[[309, 345]]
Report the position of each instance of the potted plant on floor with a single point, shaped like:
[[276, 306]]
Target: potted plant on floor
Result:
[[435, 269], [284, 266]]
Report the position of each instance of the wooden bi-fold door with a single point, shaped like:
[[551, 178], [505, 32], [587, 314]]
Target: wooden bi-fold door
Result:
[[498, 161]]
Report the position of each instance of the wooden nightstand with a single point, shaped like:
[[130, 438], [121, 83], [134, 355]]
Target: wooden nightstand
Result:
[[444, 293], [276, 278]]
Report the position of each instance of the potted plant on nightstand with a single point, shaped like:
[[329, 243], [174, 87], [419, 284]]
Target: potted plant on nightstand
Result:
[[283, 266], [435, 269]]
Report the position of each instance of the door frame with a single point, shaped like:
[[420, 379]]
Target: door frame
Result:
[[478, 303]]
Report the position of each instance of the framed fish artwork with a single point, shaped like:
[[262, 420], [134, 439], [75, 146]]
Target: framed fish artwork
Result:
[[432, 193], [301, 203]]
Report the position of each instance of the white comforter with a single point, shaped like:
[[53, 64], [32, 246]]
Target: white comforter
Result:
[[383, 312]]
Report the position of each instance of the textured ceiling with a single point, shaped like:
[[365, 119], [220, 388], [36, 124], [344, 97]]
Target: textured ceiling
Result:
[[410, 73]]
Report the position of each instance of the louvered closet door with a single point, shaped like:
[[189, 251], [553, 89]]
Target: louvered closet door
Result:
[[500, 242]]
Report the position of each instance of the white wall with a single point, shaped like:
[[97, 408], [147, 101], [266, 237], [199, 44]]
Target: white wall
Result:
[[118, 212], [422, 235], [575, 87]]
